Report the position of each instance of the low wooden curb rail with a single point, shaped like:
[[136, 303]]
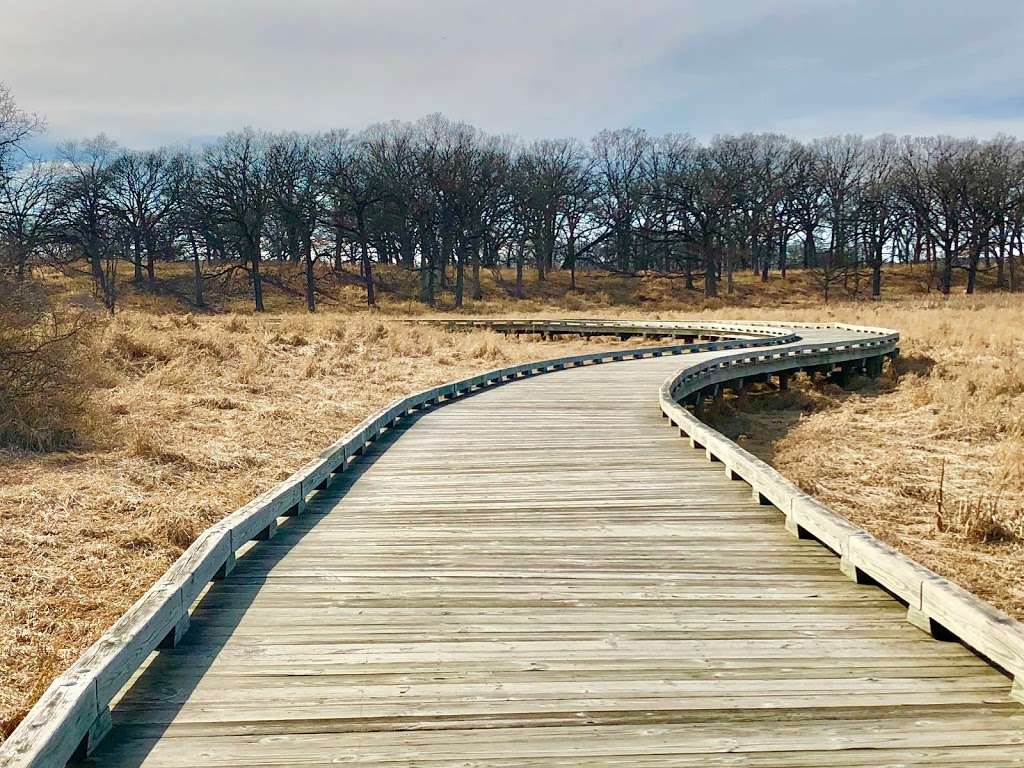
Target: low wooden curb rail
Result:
[[73, 714], [934, 604], [622, 328]]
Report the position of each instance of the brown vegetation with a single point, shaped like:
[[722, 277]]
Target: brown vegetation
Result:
[[195, 414], [45, 372], [597, 291], [930, 457], [199, 414]]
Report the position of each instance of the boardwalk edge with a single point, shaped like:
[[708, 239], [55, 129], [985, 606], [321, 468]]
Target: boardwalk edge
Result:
[[72, 715], [934, 603]]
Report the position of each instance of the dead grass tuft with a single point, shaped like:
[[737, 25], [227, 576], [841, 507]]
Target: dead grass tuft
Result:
[[171, 528], [981, 520], [138, 347], [236, 324], [144, 444]]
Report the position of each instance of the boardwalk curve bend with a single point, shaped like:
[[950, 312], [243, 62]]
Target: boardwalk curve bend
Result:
[[541, 573]]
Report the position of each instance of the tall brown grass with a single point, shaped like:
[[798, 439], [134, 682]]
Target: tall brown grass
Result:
[[931, 456], [196, 415]]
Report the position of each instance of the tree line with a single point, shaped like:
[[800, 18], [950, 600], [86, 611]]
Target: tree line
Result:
[[446, 200]]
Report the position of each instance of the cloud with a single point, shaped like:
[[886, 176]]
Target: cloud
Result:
[[150, 72]]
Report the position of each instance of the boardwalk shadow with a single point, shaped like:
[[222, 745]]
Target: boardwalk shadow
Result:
[[922, 365], [149, 707], [759, 417]]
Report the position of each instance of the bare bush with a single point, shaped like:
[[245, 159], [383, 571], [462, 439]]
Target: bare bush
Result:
[[45, 375]]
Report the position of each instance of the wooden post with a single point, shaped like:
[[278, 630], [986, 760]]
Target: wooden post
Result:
[[874, 366], [841, 375], [226, 568], [853, 572], [267, 533], [99, 728], [925, 623], [173, 637]]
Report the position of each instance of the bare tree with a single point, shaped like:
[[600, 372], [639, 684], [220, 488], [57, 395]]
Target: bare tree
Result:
[[357, 191], [28, 212], [444, 198], [16, 127], [618, 165], [141, 196], [233, 185], [296, 182], [935, 184], [878, 204], [86, 214]]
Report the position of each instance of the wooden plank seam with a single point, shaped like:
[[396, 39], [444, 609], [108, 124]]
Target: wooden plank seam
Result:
[[72, 714], [945, 607]]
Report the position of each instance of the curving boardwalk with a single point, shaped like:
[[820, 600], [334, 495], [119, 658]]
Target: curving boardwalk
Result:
[[545, 574]]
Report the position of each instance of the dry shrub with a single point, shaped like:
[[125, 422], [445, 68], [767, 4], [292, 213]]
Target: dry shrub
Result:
[[46, 373]]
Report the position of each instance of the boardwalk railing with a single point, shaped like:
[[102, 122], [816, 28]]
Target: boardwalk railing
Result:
[[73, 714], [934, 604], [621, 328]]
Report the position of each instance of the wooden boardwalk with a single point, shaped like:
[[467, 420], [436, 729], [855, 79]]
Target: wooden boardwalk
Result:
[[545, 574]]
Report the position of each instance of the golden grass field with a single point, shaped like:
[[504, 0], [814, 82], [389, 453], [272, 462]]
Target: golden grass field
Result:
[[930, 457], [196, 416], [196, 413]]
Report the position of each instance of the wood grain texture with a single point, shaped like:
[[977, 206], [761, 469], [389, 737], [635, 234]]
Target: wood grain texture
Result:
[[544, 574]]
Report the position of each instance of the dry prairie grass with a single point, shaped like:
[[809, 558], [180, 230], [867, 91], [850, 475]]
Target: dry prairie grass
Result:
[[930, 457], [202, 413], [598, 292]]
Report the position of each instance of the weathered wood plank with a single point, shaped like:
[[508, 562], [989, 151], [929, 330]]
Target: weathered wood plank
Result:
[[522, 572]]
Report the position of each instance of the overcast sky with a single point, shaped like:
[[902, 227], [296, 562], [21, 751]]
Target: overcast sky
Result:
[[153, 71]]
